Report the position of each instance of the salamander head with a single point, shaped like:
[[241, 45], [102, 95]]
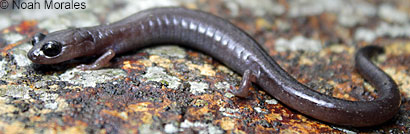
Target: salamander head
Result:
[[58, 46]]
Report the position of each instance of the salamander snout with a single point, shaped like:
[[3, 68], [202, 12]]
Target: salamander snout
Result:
[[44, 51]]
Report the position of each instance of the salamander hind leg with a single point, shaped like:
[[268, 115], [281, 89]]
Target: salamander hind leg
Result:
[[102, 61], [246, 83]]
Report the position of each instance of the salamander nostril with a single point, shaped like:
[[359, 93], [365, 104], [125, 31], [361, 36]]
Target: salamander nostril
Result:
[[31, 56], [37, 38]]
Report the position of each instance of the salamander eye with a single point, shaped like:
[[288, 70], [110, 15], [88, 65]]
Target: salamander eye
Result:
[[37, 38], [51, 48]]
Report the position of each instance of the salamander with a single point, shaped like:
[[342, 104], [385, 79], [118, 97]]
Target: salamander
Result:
[[230, 45]]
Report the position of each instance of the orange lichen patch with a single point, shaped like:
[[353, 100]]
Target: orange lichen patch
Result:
[[198, 112], [145, 117], [302, 80], [402, 80], [261, 23], [6, 108], [191, 6], [79, 88], [143, 111], [25, 27], [73, 130], [345, 76], [224, 69], [179, 60], [298, 123], [15, 128], [259, 129], [109, 105], [208, 97], [356, 79], [309, 126], [4, 50], [210, 100], [237, 131], [286, 114], [338, 48], [205, 69], [133, 65], [165, 103], [398, 48], [227, 123], [121, 115], [163, 62], [146, 63], [200, 103], [290, 131], [341, 90], [272, 117], [303, 128], [5, 31], [305, 61], [77, 128], [141, 107], [193, 54], [37, 119], [301, 117]]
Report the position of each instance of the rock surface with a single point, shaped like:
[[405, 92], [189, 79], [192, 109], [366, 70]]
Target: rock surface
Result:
[[170, 89]]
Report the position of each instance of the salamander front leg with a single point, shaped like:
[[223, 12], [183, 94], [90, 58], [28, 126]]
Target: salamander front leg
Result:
[[246, 83], [102, 61]]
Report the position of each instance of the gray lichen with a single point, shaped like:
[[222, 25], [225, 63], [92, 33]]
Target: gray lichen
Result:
[[20, 55], [91, 78], [198, 87], [17, 91], [158, 74], [2, 68]]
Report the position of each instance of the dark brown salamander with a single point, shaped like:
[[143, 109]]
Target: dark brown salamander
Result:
[[230, 45]]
